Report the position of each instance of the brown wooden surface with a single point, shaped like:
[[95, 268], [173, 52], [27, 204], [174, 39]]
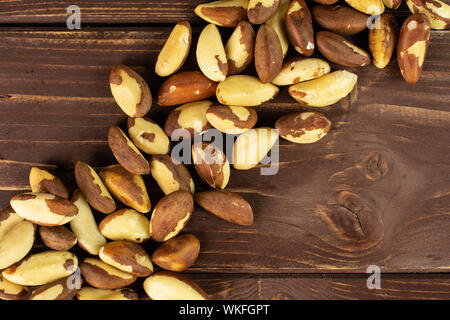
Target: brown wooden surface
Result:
[[388, 151]]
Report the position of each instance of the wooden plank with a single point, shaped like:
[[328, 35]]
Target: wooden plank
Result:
[[113, 11], [324, 287], [374, 191]]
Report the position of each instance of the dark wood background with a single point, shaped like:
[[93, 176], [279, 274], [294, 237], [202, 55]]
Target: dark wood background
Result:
[[375, 191]]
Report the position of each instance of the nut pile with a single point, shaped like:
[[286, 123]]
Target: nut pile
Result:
[[114, 265]]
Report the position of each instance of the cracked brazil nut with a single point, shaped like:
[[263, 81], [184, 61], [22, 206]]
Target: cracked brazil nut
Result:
[[246, 91], [42, 268], [211, 56], [268, 53], [170, 215], [43, 181], [340, 19], [148, 136], [211, 164], [126, 153], [225, 13], [326, 90], [240, 48], [57, 237], [226, 205], [128, 257], [104, 276], [299, 27], [93, 188], [383, 40], [438, 12], [165, 285], [259, 11], [16, 237], [341, 51], [85, 227], [231, 119], [171, 176], [130, 91], [127, 187], [178, 253], [303, 127], [126, 224], [301, 69], [184, 87], [44, 208], [412, 46], [188, 120], [175, 50]]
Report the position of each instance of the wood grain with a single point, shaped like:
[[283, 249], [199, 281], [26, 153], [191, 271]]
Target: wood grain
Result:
[[323, 286], [374, 191], [112, 11]]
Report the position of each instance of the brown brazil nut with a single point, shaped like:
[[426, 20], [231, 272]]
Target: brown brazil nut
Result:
[[93, 188], [412, 46], [104, 276], [42, 268], [126, 152], [130, 91], [268, 53], [85, 227], [169, 175], [340, 19], [170, 215], [165, 285], [231, 119], [252, 146], [43, 181], [392, 4], [127, 187], [226, 205], [89, 293], [127, 256], [301, 69], [225, 13], [126, 224], [438, 12], [12, 291], [299, 27], [57, 237], [259, 11], [244, 90], [62, 289], [211, 164], [175, 50], [326, 90], [211, 56], [303, 127], [383, 40], [278, 23], [240, 48], [341, 51], [184, 87], [372, 7], [178, 253], [190, 117], [148, 136], [16, 237], [44, 208]]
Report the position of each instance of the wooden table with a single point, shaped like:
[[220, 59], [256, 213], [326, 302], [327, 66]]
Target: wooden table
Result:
[[375, 191]]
